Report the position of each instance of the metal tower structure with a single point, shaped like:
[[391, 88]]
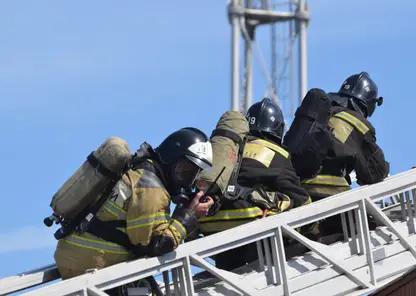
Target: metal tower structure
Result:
[[246, 16]]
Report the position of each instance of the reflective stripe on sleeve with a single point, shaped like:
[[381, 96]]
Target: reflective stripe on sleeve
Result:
[[179, 227], [146, 220]]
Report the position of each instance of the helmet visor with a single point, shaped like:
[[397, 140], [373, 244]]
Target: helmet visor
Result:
[[202, 163], [185, 173]]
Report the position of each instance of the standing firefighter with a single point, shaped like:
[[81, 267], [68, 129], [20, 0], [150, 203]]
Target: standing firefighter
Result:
[[265, 184], [341, 139], [134, 221]]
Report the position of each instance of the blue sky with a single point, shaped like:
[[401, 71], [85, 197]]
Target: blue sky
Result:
[[73, 74]]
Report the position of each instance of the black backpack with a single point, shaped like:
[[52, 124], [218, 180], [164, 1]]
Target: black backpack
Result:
[[309, 138]]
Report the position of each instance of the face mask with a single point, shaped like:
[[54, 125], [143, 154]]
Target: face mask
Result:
[[181, 197], [184, 174]]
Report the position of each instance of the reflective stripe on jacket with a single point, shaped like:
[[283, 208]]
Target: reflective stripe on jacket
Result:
[[327, 180], [226, 219]]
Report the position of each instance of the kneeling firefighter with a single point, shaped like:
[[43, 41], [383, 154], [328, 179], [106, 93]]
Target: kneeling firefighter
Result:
[[133, 221], [331, 136], [264, 183]]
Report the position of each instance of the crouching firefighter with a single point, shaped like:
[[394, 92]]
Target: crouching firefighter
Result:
[[331, 136], [264, 183], [133, 221]]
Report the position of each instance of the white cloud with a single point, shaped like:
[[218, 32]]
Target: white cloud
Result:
[[27, 238]]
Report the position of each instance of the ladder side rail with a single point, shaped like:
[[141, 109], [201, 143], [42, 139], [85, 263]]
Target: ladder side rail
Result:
[[40, 269], [129, 271], [50, 273], [29, 279]]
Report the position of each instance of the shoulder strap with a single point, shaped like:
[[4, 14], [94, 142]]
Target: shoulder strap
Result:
[[83, 220], [90, 216], [228, 134], [153, 166], [234, 190], [96, 164]]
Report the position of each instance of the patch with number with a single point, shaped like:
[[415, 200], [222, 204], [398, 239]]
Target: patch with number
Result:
[[340, 129], [121, 192], [259, 153]]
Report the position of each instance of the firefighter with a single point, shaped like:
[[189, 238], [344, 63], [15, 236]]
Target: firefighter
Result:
[[355, 147], [268, 182], [135, 221]]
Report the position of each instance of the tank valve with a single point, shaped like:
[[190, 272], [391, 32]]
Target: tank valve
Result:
[[48, 221]]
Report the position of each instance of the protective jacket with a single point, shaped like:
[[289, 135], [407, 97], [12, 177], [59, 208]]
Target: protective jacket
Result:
[[356, 149], [141, 200], [271, 183]]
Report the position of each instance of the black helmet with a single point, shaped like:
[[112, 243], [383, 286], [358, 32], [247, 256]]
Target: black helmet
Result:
[[183, 154], [265, 119], [363, 91]]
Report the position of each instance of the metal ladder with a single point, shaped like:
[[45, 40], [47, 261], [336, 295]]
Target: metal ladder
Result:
[[358, 264]]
